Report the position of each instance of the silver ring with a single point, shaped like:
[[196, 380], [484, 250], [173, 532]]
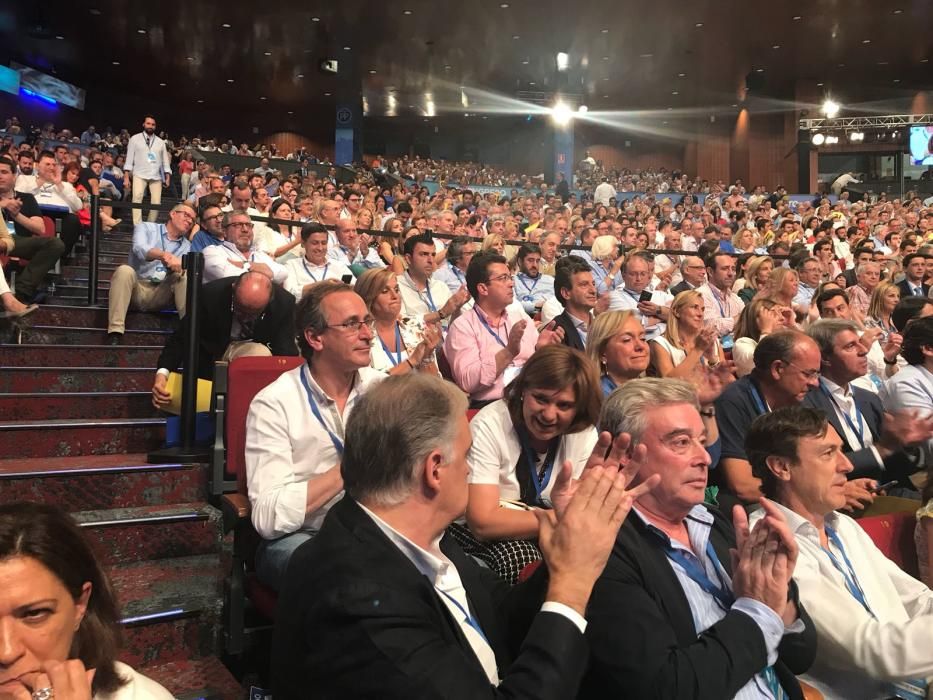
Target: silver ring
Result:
[[43, 694]]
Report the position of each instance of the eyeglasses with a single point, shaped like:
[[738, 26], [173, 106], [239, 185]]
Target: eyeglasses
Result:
[[501, 278], [808, 373], [214, 217], [354, 325], [240, 224]]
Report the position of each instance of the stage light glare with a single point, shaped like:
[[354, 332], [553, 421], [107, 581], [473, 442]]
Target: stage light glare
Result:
[[830, 108], [817, 139], [583, 109], [563, 61], [561, 113]]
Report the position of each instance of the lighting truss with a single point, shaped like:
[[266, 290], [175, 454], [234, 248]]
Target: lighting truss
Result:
[[891, 121]]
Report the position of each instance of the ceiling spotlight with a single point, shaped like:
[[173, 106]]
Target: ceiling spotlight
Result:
[[225, 25], [674, 92], [817, 139], [856, 136], [516, 36], [161, 84], [645, 55], [59, 37], [229, 80], [866, 41], [372, 72], [898, 11], [301, 75], [830, 109], [698, 25], [830, 140], [583, 109], [563, 61], [776, 46], [315, 19], [406, 12], [116, 63], [268, 53], [561, 113], [504, 5], [681, 75], [140, 31], [262, 98], [796, 18]]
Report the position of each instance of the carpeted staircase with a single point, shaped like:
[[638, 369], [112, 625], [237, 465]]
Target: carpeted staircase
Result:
[[76, 423]]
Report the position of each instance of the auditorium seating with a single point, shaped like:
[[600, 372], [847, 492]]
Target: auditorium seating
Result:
[[893, 534]]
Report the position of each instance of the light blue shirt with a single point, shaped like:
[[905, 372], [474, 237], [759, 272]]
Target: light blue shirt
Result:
[[147, 236], [147, 157], [452, 276], [532, 292], [705, 608], [804, 295]]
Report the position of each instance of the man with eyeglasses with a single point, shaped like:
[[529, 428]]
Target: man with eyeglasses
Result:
[[295, 426], [153, 279], [211, 231], [237, 254], [654, 312], [352, 201]]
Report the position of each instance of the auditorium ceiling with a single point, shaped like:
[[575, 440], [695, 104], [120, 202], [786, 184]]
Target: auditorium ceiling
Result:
[[425, 58]]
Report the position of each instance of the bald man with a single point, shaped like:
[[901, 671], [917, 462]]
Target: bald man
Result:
[[238, 317]]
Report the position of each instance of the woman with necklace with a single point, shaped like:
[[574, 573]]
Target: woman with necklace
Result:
[[401, 344], [687, 347], [616, 343]]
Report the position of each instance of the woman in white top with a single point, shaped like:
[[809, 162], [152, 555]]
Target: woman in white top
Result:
[[400, 344], [58, 612], [759, 317], [279, 240], [544, 423], [687, 347]]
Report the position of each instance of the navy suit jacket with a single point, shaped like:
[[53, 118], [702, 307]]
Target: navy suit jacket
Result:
[[905, 289], [571, 336]]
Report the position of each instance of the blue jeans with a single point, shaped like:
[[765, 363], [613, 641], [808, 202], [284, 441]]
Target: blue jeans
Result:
[[272, 557]]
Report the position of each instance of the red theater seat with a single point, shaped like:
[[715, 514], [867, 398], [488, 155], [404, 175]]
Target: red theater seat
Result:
[[893, 534]]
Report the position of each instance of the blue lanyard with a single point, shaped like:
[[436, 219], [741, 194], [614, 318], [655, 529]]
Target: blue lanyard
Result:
[[608, 385], [237, 251], [634, 295], [398, 347], [455, 271], [430, 299], [760, 405], [494, 334], [540, 481], [848, 573], [722, 308], [860, 430], [721, 593], [323, 276], [467, 617], [521, 277], [338, 443], [162, 236]]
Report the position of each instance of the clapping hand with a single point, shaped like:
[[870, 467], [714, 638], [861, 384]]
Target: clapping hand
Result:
[[906, 428], [551, 334]]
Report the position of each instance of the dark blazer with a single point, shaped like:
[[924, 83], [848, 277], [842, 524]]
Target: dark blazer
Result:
[[905, 289], [681, 286], [851, 279], [571, 336], [897, 465], [276, 328], [642, 637], [358, 620]]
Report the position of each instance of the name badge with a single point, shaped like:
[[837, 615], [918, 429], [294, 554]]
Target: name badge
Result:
[[10, 226], [151, 157]]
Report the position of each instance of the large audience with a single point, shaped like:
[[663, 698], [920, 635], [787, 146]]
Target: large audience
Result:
[[678, 407]]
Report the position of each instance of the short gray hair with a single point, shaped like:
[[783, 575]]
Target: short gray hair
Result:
[[391, 430], [624, 411], [824, 332]]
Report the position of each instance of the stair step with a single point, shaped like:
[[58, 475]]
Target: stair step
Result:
[[74, 404], [93, 317], [27, 355], [80, 335], [82, 260], [61, 438], [73, 299], [170, 608], [100, 481], [196, 679], [81, 271], [72, 288], [122, 535], [75, 379]]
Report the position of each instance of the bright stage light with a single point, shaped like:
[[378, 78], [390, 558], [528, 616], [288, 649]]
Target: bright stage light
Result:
[[830, 109], [583, 109], [561, 114], [817, 139], [563, 61]]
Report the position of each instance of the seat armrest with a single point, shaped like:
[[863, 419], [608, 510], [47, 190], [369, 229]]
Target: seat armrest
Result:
[[235, 508]]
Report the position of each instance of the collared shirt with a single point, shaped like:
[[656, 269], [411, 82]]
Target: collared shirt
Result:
[[219, 263], [451, 275], [916, 290], [804, 295], [369, 260], [604, 283], [48, 194], [147, 157], [532, 292], [720, 310], [471, 350], [301, 272], [147, 236], [627, 299], [706, 609], [202, 239], [418, 302], [859, 298], [911, 389], [850, 418], [858, 649], [286, 447]]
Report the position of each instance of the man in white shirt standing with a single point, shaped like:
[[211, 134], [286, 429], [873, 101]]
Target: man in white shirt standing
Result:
[[422, 295], [150, 165], [874, 623], [604, 192], [295, 426], [722, 305]]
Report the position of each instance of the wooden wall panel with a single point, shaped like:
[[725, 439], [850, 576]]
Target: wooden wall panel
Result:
[[288, 141]]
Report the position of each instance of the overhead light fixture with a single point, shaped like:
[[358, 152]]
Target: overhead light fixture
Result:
[[406, 12], [817, 139], [832, 140], [605, 31], [315, 19], [561, 113], [797, 18], [140, 31], [229, 80], [268, 53], [161, 84], [830, 108], [225, 25], [866, 41], [563, 61], [855, 136], [583, 109], [698, 25]]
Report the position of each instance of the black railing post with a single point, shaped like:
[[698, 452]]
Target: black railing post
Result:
[[93, 249]]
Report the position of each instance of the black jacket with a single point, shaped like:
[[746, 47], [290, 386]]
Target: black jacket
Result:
[[571, 335], [276, 328], [358, 620], [905, 289], [642, 636]]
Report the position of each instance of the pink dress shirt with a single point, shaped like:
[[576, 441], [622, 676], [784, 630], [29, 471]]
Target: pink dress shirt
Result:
[[471, 350], [720, 310]]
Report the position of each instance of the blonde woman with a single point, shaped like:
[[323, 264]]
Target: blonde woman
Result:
[[606, 263], [687, 346], [616, 343], [744, 241], [760, 317], [883, 300], [757, 275]]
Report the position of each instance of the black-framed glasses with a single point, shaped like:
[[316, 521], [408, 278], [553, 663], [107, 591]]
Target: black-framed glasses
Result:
[[354, 325]]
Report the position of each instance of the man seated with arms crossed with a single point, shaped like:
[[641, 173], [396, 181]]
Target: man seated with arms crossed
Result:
[[691, 605], [237, 253], [21, 236], [486, 346], [295, 426], [382, 604], [874, 623], [245, 316], [422, 295], [153, 279], [313, 266], [575, 289], [211, 231], [532, 286]]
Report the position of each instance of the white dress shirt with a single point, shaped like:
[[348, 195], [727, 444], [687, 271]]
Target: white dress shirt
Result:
[[850, 418], [219, 263], [147, 157], [911, 389], [368, 260], [61, 195], [301, 272], [622, 300], [720, 310], [858, 649], [417, 302], [286, 447]]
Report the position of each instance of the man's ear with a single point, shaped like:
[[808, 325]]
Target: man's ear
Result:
[[431, 471], [779, 466], [313, 340]]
